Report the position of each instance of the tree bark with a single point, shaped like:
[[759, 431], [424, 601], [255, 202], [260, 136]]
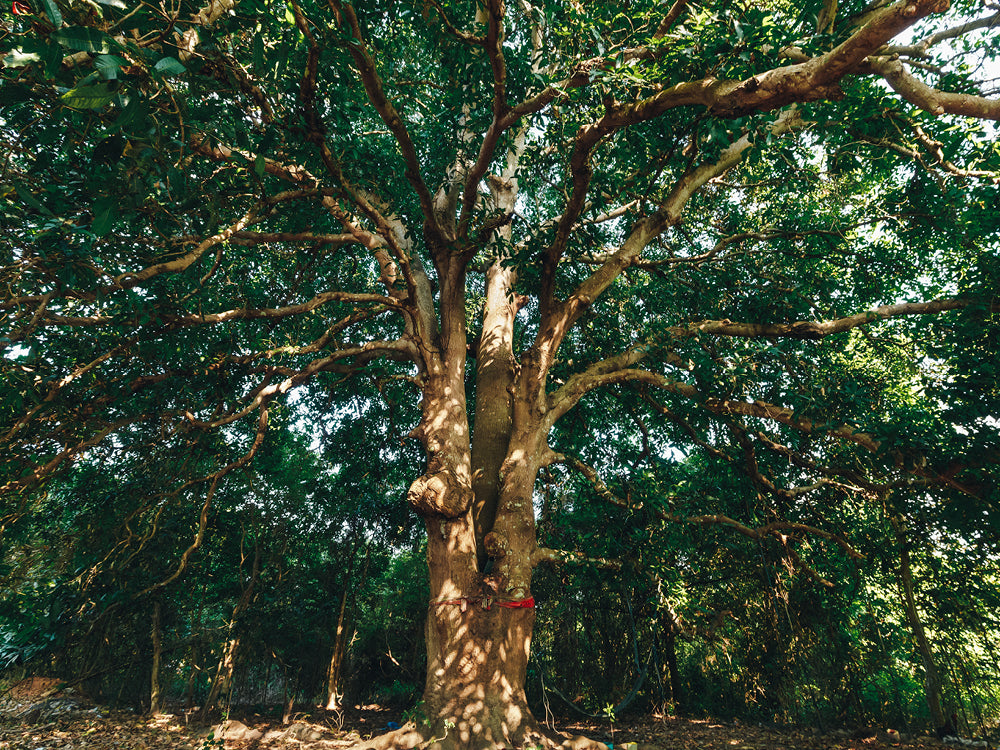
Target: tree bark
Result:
[[227, 662], [333, 673], [932, 678], [223, 676], [155, 699], [341, 640], [479, 625]]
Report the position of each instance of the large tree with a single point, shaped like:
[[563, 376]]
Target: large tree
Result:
[[593, 239]]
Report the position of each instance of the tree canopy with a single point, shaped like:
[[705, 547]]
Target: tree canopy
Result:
[[704, 265]]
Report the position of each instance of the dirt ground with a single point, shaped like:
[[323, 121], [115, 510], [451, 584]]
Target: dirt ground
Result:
[[32, 717]]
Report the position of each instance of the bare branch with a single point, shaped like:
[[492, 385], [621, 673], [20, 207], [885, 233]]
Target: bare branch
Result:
[[927, 97], [387, 112], [365, 352], [56, 387], [808, 329], [670, 19], [465, 36], [557, 556], [920, 48], [40, 472]]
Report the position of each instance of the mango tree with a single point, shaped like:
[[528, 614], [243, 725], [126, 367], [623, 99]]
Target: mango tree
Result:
[[725, 228]]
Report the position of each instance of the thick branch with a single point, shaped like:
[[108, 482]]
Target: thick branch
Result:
[[363, 352], [930, 99]]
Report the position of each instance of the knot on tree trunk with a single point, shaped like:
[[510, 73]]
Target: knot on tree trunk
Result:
[[440, 493]]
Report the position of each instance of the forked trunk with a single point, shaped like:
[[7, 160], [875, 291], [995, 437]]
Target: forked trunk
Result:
[[476, 500], [478, 644]]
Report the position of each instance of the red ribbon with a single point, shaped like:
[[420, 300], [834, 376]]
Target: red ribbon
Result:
[[528, 603]]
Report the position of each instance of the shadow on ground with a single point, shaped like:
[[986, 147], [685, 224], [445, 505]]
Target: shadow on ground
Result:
[[35, 717]]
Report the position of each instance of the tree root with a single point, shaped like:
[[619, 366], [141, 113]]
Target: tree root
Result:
[[409, 737]]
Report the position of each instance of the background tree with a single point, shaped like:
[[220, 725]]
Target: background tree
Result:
[[594, 241]]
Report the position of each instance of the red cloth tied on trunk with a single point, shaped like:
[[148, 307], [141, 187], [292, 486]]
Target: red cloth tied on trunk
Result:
[[528, 603]]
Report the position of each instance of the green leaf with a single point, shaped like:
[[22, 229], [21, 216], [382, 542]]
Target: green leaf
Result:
[[18, 58], [88, 97], [258, 53], [133, 109], [114, 4], [169, 66], [83, 39], [53, 12], [25, 195], [109, 65], [105, 212], [12, 93], [259, 164]]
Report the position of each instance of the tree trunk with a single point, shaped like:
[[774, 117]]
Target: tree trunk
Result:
[[336, 658], [333, 674], [154, 672], [673, 673], [476, 500], [223, 676], [288, 700], [477, 661], [227, 663], [932, 678]]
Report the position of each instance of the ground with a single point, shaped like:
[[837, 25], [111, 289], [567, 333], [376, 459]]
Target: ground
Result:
[[32, 718]]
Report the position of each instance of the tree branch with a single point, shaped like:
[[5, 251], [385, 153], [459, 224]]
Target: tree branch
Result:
[[773, 529], [387, 112], [928, 98]]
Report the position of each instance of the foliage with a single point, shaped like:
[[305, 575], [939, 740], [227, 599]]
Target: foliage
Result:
[[749, 256]]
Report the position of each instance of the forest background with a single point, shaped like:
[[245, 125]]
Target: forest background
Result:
[[684, 318]]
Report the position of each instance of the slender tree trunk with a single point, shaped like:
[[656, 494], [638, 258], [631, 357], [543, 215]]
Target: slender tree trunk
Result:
[[932, 677], [673, 673], [195, 655], [288, 703], [154, 674], [222, 683], [333, 674]]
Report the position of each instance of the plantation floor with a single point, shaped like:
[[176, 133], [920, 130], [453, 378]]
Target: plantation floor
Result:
[[97, 729]]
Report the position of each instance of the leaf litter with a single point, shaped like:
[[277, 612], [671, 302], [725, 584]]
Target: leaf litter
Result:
[[68, 722]]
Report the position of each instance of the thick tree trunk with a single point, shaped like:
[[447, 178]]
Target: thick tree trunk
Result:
[[476, 670], [476, 500]]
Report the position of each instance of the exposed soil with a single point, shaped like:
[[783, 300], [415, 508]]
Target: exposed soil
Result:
[[34, 717]]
